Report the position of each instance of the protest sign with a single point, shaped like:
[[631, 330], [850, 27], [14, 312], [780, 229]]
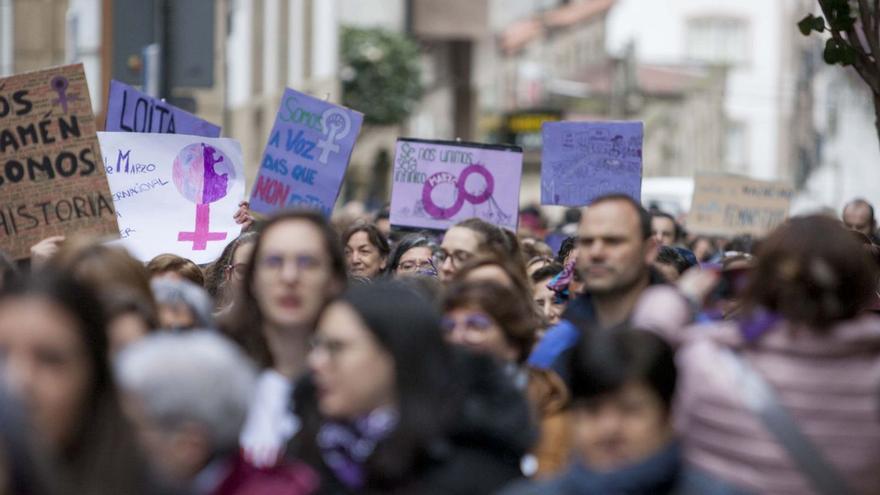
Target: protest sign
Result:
[[582, 161], [438, 183], [129, 110], [174, 193], [51, 181], [729, 205], [306, 156]]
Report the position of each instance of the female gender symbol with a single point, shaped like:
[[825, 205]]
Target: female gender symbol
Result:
[[59, 84], [203, 175], [461, 192], [337, 125]]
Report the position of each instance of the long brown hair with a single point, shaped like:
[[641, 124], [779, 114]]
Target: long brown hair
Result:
[[244, 324], [107, 269], [101, 458], [215, 274]]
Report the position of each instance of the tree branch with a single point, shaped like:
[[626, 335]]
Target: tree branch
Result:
[[867, 25], [875, 28], [870, 62], [865, 67], [870, 32], [875, 13], [862, 65]]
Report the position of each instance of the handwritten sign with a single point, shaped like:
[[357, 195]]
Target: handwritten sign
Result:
[[729, 205], [582, 161], [51, 179], [438, 183], [174, 193], [129, 110], [307, 155]]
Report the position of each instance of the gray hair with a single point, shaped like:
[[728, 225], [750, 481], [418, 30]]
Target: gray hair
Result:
[[197, 376], [171, 292]]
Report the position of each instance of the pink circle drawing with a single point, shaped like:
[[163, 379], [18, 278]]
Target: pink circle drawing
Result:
[[461, 192], [482, 197], [431, 207], [203, 175]]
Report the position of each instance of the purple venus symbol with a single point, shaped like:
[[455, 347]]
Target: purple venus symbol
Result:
[[202, 174], [60, 84]]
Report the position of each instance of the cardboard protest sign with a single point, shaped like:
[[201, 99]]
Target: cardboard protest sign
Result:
[[729, 205], [438, 183], [51, 181], [306, 156], [129, 110], [582, 161], [174, 193]]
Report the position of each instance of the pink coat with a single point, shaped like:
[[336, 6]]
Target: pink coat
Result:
[[829, 383]]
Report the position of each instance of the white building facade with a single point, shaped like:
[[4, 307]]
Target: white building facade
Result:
[[746, 36]]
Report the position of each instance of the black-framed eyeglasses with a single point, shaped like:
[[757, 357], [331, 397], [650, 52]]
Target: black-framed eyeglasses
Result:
[[458, 256]]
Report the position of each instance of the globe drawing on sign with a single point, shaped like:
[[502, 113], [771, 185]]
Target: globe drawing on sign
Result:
[[203, 175]]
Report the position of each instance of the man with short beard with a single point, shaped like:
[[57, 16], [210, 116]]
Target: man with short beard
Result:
[[615, 255]]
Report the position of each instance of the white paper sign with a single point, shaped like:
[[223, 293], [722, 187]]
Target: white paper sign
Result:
[[174, 193]]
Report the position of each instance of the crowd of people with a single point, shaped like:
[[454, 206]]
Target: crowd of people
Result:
[[614, 354]]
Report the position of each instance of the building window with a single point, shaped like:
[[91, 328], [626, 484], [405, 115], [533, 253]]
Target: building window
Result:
[[736, 150], [718, 40]]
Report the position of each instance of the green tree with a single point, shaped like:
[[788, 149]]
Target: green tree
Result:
[[381, 74], [854, 28]]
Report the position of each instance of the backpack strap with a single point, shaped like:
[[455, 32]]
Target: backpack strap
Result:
[[763, 401]]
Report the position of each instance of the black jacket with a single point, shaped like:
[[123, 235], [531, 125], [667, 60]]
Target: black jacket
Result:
[[479, 451]]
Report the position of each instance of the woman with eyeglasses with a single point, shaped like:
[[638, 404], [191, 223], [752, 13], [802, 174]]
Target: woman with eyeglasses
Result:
[[297, 265], [414, 254], [390, 408], [223, 277], [473, 238], [491, 319]]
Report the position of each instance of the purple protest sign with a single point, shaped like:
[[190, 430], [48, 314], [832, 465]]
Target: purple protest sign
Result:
[[129, 110], [582, 161], [438, 183], [306, 156]]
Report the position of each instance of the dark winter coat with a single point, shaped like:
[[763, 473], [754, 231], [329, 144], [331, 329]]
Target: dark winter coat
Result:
[[479, 452]]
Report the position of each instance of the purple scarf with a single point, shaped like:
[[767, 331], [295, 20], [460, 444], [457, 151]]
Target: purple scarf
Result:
[[345, 447]]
